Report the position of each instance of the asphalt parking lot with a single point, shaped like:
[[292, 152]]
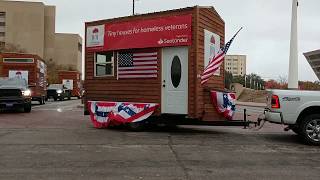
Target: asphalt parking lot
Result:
[[56, 141]]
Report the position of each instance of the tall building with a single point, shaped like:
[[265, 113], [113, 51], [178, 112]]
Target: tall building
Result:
[[235, 64], [30, 27], [68, 49], [313, 58]]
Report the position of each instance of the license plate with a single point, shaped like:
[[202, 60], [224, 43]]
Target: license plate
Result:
[[9, 105]]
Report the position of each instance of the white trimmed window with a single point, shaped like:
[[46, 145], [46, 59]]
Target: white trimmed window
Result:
[[104, 64]]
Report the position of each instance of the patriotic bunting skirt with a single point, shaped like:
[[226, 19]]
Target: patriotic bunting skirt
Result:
[[224, 103], [104, 114]]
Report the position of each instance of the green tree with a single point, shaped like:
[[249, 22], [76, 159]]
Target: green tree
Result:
[[239, 79], [254, 81]]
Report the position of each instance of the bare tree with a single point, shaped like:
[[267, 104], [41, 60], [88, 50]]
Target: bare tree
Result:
[[53, 68], [283, 80], [13, 48]]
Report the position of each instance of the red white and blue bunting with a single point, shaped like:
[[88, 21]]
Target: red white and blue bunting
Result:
[[104, 114], [224, 103]]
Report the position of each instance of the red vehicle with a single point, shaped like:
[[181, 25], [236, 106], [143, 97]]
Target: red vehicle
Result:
[[72, 81], [29, 67]]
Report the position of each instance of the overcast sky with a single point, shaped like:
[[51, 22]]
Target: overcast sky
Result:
[[265, 38]]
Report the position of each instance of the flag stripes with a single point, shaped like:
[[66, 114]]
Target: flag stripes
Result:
[[137, 65]]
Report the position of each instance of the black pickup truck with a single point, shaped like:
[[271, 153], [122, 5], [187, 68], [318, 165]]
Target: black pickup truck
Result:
[[58, 91], [14, 94]]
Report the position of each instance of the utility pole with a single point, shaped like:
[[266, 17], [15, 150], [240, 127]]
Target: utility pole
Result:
[[133, 3], [293, 58]]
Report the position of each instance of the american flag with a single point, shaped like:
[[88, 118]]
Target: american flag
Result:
[[137, 64], [41, 80], [216, 62]]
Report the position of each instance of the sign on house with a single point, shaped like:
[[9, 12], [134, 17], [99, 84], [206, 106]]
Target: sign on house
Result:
[[157, 32]]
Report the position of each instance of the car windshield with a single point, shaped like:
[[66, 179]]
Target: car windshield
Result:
[[55, 86], [13, 82]]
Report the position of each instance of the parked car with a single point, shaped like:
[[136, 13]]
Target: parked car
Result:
[[15, 94], [58, 92], [300, 110]]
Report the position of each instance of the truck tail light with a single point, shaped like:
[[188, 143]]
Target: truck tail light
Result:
[[275, 103]]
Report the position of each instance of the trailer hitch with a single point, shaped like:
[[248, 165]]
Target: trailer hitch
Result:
[[259, 123]]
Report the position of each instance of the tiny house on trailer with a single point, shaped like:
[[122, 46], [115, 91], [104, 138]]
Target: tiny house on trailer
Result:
[[72, 81], [156, 58], [28, 66]]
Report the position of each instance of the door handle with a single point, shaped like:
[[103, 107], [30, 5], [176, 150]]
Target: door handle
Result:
[[164, 83]]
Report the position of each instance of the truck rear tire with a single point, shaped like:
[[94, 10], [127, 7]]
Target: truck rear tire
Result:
[[310, 129]]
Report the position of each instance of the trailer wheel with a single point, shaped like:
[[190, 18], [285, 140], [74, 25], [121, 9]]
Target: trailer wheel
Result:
[[136, 126], [86, 112], [27, 108], [310, 129], [40, 101]]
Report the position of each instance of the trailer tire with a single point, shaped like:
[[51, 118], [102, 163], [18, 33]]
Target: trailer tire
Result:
[[27, 108], [136, 126], [310, 129], [43, 100], [86, 112], [40, 101]]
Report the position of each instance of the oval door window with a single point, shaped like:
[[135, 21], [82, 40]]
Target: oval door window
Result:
[[176, 71]]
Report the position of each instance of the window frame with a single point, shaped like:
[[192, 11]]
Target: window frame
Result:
[[4, 61], [112, 63]]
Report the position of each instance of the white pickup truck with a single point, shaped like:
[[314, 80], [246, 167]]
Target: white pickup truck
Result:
[[300, 110]]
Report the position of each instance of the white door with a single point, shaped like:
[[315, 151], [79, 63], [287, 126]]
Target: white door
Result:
[[174, 94]]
